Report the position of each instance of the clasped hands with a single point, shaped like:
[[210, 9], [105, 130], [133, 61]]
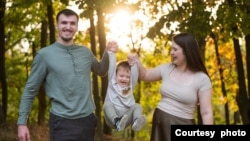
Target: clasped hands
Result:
[[113, 47]]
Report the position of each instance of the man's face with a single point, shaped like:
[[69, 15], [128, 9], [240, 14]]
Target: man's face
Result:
[[67, 27]]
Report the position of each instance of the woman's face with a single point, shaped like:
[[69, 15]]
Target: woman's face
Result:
[[178, 57]]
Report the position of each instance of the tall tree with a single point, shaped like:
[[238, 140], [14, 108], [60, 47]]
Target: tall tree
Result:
[[43, 43], [102, 43], [4, 102], [214, 36], [42, 93], [246, 30]]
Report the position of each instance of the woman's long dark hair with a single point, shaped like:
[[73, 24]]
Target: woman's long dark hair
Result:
[[191, 50]]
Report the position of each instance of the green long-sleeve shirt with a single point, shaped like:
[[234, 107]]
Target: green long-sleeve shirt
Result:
[[65, 71]]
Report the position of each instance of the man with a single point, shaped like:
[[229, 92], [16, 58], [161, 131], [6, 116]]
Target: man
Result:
[[65, 70]]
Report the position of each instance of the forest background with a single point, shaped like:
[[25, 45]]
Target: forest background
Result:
[[222, 29]]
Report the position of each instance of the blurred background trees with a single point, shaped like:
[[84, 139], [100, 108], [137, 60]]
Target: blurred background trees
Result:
[[145, 27]]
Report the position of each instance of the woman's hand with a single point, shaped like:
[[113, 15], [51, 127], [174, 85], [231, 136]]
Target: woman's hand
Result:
[[132, 59]]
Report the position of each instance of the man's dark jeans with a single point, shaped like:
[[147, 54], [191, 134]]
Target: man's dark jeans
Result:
[[82, 129]]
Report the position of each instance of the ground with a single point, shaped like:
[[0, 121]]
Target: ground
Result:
[[38, 133]]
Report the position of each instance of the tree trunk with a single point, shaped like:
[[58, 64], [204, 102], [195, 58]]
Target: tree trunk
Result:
[[102, 43], [52, 32], [95, 80], [3, 81], [223, 87], [241, 97], [42, 93], [247, 117], [44, 37]]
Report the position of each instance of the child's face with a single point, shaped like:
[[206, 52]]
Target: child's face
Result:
[[123, 77]]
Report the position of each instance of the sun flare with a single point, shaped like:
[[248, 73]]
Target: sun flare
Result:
[[119, 27], [122, 27]]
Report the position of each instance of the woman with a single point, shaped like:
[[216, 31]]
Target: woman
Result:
[[185, 83]]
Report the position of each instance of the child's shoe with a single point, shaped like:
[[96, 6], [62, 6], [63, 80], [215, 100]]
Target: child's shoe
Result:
[[139, 123], [120, 122]]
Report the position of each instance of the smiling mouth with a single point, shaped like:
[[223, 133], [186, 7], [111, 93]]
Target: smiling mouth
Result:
[[67, 32], [124, 84]]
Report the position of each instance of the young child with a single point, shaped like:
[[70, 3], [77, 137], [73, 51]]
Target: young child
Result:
[[120, 109]]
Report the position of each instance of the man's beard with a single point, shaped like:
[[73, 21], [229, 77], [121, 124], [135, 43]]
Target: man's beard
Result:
[[66, 39]]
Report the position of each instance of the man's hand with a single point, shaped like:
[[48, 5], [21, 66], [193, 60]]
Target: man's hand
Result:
[[23, 133], [112, 46]]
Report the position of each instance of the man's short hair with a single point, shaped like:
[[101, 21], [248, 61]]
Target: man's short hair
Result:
[[66, 12]]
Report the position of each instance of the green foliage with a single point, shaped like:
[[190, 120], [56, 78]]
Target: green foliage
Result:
[[23, 20], [227, 56]]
